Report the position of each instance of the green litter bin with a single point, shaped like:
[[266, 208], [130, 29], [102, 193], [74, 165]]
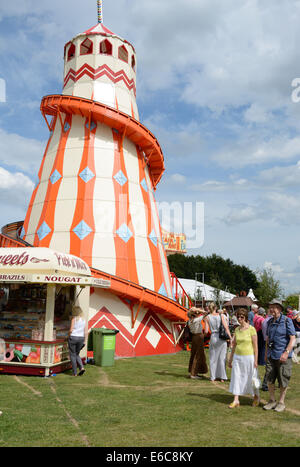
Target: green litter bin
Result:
[[104, 345]]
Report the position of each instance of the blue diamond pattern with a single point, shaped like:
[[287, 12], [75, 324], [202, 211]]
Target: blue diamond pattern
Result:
[[66, 127], [43, 231], [86, 175], [124, 233], [82, 230], [92, 127], [162, 290], [153, 237], [144, 185], [120, 178], [55, 177]]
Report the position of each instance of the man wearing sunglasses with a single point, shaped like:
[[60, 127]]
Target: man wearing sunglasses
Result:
[[279, 345]]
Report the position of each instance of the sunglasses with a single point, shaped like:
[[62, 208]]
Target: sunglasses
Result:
[[240, 317]]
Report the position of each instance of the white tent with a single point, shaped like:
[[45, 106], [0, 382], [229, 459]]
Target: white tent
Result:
[[206, 291], [251, 295]]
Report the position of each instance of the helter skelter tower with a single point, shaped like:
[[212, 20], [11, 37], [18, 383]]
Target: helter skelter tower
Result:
[[95, 196]]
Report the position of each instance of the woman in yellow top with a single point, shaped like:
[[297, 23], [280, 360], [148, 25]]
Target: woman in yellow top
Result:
[[243, 360]]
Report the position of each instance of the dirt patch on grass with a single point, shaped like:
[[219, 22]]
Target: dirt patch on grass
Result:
[[30, 388], [72, 420]]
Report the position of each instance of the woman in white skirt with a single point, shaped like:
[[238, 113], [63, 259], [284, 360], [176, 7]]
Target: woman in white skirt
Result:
[[217, 346], [243, 360]]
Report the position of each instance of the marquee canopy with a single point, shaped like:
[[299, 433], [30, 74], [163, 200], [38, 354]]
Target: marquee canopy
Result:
[[206, 291], [43, 265]]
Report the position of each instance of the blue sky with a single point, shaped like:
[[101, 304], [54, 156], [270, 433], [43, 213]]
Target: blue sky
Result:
[[214, 86]]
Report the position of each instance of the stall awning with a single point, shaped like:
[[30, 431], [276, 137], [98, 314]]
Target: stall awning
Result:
[[54, 279], [45, 266]]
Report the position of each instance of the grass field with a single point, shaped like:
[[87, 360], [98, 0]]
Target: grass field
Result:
[[146, 401]]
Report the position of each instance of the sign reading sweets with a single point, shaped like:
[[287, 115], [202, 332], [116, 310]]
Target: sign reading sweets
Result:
[[12, 260], [42, 259], [25, 257], [46, 266]]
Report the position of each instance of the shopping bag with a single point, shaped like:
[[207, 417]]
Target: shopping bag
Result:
[[256, 383]]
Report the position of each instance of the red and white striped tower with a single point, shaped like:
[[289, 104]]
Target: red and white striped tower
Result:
[[95, 196]]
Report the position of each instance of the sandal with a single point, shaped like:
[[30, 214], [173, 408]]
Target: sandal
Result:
[[255, 402], [233, 405]]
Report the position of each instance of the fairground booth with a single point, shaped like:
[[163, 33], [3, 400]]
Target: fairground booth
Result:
[[38, 287]]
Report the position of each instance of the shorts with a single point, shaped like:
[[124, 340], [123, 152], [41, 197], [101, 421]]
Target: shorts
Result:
[[280, 370]]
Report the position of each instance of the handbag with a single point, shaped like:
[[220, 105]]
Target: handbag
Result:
[[223, 333], [187, 335], [256, 383]]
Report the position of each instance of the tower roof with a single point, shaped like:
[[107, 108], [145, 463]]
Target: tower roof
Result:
[[99, 29]]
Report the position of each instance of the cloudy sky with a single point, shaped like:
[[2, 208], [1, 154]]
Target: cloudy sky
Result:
[[217, 85]]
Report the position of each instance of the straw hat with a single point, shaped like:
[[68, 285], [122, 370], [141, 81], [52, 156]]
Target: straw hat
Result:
[[192, 312], [276, 302]]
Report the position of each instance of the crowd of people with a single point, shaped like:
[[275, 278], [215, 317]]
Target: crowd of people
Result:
[[243, 341]]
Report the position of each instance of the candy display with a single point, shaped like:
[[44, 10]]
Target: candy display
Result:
[[22, 325], [23, 315]]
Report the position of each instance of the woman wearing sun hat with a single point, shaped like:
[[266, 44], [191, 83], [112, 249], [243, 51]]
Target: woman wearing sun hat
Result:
[[279, 346]]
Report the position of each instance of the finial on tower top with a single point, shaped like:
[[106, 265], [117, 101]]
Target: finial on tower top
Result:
[[100, 16]]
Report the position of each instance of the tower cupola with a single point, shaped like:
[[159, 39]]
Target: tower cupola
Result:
[[101, 66]]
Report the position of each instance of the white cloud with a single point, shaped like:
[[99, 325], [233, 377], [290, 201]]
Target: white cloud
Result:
[[251, 150], [241, 214], [270, 208], [15, 188], [286, 177], [256, 113], [274, 267], [178, 178], [23, 153], [218, 185]]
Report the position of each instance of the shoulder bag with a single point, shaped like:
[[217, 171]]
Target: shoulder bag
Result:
[[222, 332]]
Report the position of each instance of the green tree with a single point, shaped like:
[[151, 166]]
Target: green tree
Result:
[[268, 288], [292, 300], [217, 284], [177, 264], [233, 276]]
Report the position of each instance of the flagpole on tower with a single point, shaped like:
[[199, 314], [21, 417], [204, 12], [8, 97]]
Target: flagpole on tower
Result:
[[100, 15]]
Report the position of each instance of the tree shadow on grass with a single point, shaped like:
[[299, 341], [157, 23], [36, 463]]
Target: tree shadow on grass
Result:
[[178, 375]]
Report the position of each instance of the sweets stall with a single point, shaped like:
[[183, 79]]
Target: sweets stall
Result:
[[38, 287]]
